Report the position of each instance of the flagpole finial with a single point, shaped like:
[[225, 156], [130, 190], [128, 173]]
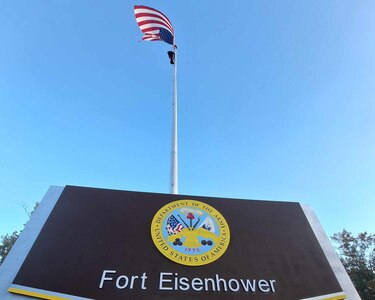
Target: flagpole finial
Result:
[[171, 57]]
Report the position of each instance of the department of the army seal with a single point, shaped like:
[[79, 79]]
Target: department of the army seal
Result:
[[190, 232]]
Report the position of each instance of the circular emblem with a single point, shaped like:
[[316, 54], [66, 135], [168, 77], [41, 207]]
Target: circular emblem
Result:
[[190, 232]]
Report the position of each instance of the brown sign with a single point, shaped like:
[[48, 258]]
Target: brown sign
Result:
[[101, 244]]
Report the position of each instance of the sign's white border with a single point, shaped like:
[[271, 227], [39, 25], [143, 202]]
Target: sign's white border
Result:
[[9, 268], [334, 261]]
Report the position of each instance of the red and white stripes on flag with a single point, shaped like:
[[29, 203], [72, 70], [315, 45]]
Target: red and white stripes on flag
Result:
[[154, 24]]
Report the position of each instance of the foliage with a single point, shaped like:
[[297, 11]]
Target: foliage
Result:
[[7, 241], [357, 254]]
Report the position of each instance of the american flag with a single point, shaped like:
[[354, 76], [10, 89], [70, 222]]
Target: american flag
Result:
[[173, 225], [154, 24]]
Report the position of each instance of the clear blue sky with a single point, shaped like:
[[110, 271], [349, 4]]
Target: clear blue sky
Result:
[[276, 101]]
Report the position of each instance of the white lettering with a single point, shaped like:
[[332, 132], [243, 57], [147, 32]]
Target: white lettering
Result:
[[218, 280], [272, 286], [118, 282], [175, 282], [249, 285], [264, 286], [184, 284], [206, 280], [169, 281], [123, 281], [132, 281], [143, 277], [237, 288], [162, 280], [106, 278], [197, 284]]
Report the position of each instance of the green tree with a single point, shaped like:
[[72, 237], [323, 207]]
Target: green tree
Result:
[[357, 254], [7, 241]]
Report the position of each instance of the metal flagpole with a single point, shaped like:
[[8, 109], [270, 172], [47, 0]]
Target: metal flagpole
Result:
[[174, 160], [148, 19]]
